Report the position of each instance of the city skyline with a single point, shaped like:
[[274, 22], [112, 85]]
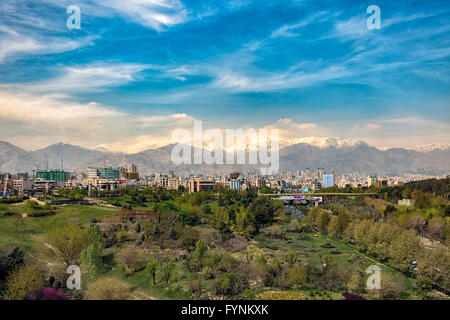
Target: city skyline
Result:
[[134, 72]]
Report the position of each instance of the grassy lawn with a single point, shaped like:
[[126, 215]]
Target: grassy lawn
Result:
[[142, 282], [29, 233], [310, 248]]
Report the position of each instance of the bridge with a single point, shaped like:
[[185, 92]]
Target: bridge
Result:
[[307, 198], [316, 194]]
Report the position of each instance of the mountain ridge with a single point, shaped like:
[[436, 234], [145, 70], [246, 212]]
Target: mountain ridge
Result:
[[342, 157]]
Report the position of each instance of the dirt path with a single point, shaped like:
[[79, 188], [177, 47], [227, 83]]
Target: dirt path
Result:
[[139, 295]]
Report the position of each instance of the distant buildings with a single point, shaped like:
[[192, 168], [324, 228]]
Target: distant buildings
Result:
[[406, 202]]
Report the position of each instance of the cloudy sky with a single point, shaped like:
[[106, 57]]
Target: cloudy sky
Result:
[[138, 69]]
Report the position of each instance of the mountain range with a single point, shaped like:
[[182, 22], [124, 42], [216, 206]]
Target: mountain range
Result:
[[341, 155]]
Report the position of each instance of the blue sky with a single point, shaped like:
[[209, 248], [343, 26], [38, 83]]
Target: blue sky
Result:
[[138, 69]]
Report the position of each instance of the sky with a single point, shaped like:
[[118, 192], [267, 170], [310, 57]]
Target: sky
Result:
[[138, 69]]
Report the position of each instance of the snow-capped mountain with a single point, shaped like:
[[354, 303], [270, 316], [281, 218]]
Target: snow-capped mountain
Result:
[[326, 142], [432, 147], [341, 155]]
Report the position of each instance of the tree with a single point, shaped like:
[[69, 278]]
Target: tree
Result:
[[291, 258], [156, 232], [21, 281], [66, 243], [90, 264], [151, 269], [333, 226], [435, 265], [405, 249], [423, 202], [10, 260], [322, 221], [108, 289], [357, 282], [297, 275], [406, 193], [97, 236], [424, 285], [166, 270], [200, 249], [128, 257], [436, 228], [417, 222], [343, 220]]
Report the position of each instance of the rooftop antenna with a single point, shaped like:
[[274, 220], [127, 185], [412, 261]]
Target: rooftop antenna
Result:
[[46, 162], [62, 161]]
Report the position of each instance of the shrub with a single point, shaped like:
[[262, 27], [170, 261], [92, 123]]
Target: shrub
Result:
[[41, 214], [31, 203], [108, 289], [21, 281], [129, 258], [351, 296], [47, 294], [297, 275]]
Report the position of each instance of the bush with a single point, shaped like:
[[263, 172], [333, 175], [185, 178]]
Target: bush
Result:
[[41, 214], [47, 294], [31, 203], [108, 289], [21, 281]]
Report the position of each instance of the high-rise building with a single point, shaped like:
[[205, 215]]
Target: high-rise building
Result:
[[328, 180], [198, 184], [53, 175], [132, 168], [106, 173], [372, 180], [235, 185]]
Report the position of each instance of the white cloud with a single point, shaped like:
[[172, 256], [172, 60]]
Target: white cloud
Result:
[[90, 78], [278, 81], [402, 132], [155, 14], [34, 121], [150, 13], [14, 44]]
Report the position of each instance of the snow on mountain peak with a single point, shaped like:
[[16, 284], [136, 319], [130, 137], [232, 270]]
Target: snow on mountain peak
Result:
[[325, 142], [431, 147]]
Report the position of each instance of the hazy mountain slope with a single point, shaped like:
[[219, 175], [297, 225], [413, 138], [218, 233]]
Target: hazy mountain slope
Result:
[[341, 157]]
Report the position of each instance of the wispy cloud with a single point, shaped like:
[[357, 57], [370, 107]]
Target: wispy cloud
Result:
[[87, 78], [13, 45], [34, 121]]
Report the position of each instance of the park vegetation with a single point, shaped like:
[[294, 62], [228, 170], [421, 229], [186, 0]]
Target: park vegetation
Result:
[[225, 244]]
